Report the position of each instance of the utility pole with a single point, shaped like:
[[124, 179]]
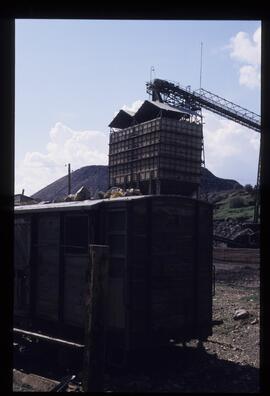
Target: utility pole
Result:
[[69, 179]]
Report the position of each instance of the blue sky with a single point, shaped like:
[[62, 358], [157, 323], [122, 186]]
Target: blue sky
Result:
[[73, 75]]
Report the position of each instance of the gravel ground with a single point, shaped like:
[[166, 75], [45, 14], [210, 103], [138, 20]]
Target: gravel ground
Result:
[[228, 361]]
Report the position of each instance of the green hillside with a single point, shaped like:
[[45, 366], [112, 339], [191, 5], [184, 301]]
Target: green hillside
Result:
[[238, 205]]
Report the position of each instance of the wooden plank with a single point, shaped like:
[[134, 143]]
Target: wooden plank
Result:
[[61, 270], [33, 265], [115, 306], [95, 325], [170, 321], [47, 283], [74, 289]]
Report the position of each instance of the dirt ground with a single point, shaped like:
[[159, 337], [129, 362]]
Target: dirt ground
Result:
[[228, 362]]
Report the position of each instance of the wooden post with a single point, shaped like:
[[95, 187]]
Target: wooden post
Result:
[[95, 326], [7, 116]]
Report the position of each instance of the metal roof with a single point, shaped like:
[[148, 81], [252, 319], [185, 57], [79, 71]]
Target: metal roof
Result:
[[165, 106], [72, 205], [152, 109], [129, 112], [147, 111], [123, 119], [93, 203]]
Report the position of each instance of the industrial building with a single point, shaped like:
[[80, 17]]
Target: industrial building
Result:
[[158, 149]]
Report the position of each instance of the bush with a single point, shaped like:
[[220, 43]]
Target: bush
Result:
[[236, 202], [249, 188]]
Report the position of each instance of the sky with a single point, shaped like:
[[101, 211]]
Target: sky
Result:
[[73, 76]]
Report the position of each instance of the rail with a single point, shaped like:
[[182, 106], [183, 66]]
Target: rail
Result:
[[48, 338]]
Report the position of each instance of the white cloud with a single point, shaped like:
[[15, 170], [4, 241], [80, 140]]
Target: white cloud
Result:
[[247, 50], [250, 76], [79, 148], [134, 107], [231, 150], [65, 145]]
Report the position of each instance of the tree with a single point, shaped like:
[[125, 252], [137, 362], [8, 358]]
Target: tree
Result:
[[249, 188]]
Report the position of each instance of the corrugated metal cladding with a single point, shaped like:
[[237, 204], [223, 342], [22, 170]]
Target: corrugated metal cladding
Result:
[[159, 150], [160, 268]]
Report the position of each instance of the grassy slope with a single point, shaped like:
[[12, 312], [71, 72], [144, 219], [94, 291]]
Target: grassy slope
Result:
[[223, 211]]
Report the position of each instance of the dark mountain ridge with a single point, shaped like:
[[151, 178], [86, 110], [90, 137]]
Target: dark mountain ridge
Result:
[[211, 183]]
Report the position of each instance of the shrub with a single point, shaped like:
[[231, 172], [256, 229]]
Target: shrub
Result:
[[236, 202], [249, 188]]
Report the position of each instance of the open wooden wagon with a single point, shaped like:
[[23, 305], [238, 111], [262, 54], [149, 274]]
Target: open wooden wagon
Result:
[[160, 269]]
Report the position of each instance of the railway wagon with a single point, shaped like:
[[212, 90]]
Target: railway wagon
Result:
[[160, 268]]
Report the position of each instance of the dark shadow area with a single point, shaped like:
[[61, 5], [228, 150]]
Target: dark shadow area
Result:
[[168, 369], [183, 369], [47, 360], [217, 322]]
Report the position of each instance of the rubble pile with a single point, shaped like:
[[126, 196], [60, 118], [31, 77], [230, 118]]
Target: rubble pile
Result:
[[82, 194], [247, 234], [115, 192]]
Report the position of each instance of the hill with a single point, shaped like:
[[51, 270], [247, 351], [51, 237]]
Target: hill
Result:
[[95, 178], [211, 183], [234, 205]]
